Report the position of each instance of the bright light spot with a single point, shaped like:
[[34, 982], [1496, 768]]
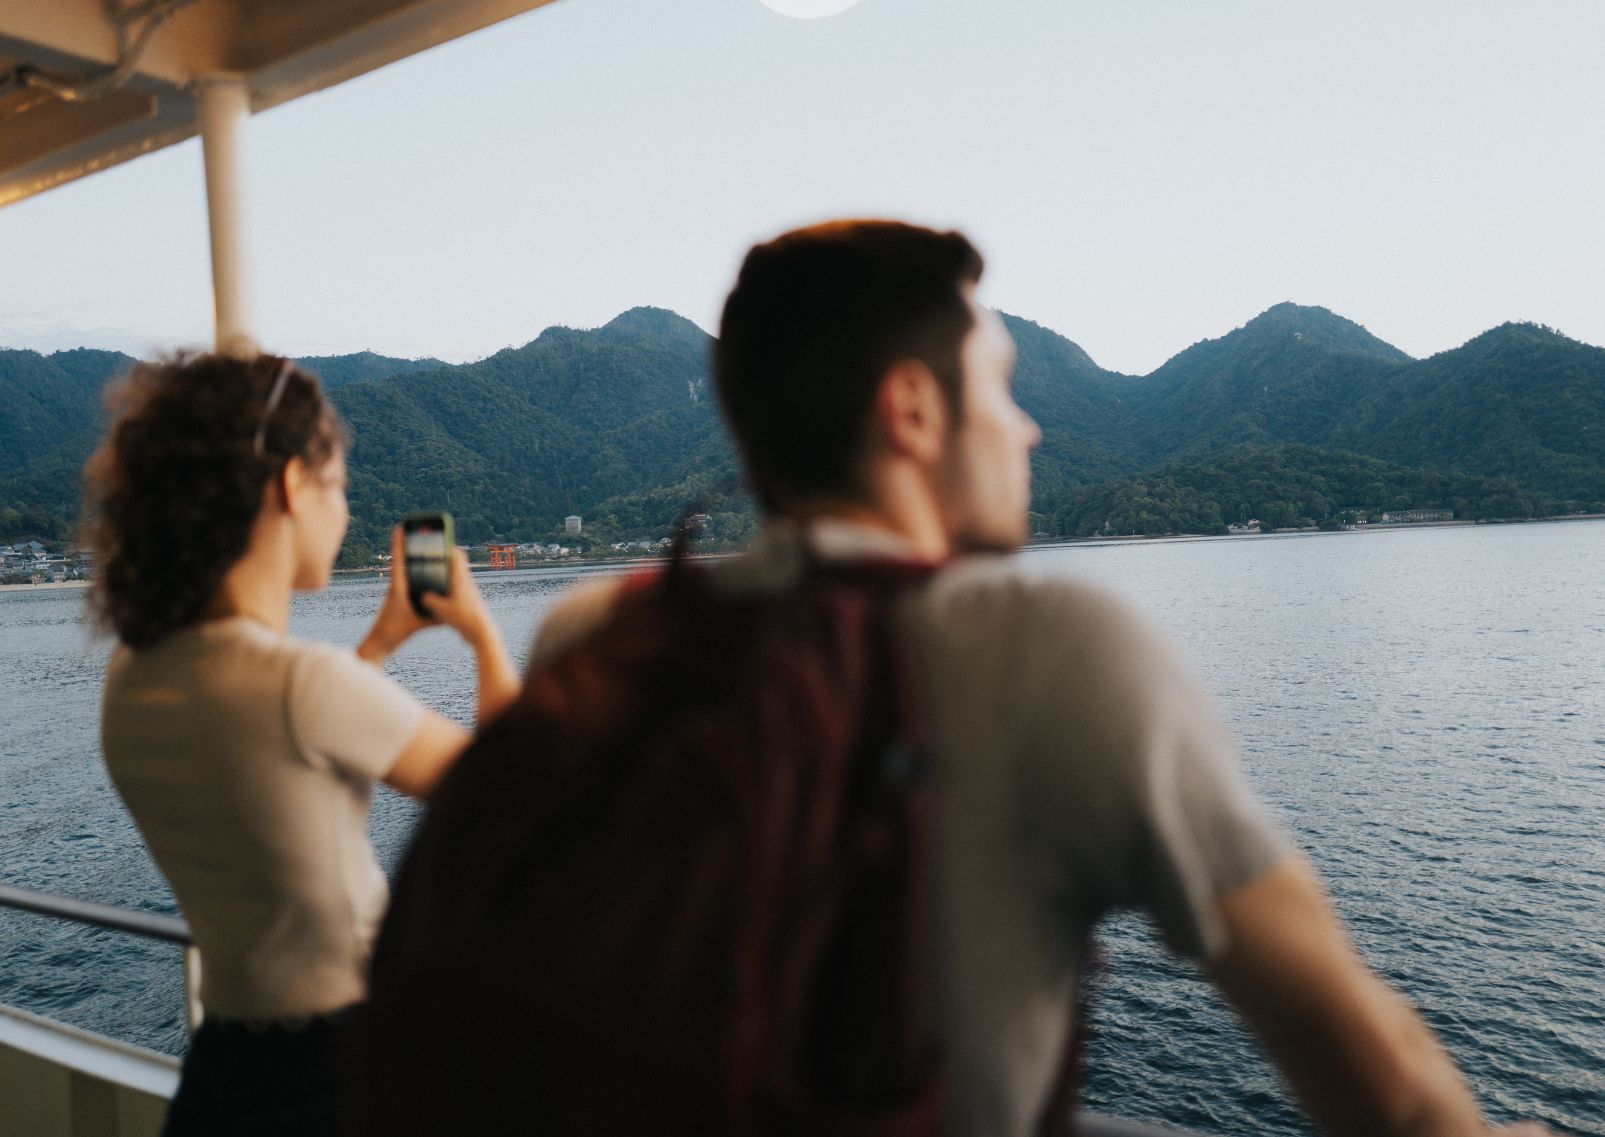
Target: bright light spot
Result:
[[809, 9]]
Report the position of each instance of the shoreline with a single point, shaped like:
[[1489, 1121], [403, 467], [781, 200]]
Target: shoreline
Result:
[[1045, 543], [1379, 527], [571, 562]]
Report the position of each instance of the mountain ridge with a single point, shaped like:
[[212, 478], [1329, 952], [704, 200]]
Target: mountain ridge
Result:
[[618, 422]]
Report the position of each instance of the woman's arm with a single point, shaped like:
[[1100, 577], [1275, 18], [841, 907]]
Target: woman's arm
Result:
[[463, 610], [429, 753], [438, 741]]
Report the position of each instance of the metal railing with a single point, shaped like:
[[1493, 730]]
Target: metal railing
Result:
[[174, 930], [1092, 1125], [150, 925]]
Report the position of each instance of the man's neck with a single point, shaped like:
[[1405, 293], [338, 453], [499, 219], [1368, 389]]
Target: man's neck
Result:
[[921, 529]]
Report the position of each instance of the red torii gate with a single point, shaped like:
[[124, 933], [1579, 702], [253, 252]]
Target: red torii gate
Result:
[[503, 556]]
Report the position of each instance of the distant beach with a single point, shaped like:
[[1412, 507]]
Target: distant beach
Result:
[[44, 587]]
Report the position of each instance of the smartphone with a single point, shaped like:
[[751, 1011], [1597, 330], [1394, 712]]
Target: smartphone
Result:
[[427, 542]]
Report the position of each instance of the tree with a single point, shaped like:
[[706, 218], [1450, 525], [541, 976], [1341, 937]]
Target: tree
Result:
[[357, 552]]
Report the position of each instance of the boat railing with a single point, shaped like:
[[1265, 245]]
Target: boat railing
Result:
[[172, 929], [130, 921]]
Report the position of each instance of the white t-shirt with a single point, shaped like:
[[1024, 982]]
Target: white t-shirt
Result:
[[247, 759], [1080, 767]]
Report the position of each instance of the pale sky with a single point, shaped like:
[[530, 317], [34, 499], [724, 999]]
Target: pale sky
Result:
[[1141, 174]]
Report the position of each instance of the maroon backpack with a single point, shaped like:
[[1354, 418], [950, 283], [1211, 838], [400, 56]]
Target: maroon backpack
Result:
[[680, 887]]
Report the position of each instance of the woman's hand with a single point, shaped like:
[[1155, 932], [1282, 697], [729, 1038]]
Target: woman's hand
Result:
[[462, 608], [397, 619]]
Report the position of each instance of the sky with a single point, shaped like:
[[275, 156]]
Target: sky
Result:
[[1140, 174]]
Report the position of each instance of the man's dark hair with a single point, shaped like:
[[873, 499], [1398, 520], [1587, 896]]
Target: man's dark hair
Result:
[[817, 316]]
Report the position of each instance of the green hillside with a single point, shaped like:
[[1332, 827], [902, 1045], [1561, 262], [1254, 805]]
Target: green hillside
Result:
[[1084, 411], [1520, 401], [1282, 487], [515, 442], [50, 405], [1290, 417], [50, 418], [338, 370], [1292, 374]]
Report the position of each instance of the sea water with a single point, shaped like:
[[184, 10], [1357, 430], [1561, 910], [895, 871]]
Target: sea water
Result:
[[1423, 709]]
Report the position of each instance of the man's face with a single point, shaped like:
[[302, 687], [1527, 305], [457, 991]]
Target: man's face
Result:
[[985, 480]]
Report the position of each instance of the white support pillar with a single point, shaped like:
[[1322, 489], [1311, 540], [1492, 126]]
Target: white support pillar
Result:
[[224, 104]]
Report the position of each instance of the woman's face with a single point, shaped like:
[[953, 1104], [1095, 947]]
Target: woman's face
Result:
[[320, 524]]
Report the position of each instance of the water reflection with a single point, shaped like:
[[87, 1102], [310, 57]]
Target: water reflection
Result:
[[1422, 708]]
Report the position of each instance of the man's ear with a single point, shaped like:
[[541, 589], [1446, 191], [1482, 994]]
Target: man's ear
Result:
[[912, 411]]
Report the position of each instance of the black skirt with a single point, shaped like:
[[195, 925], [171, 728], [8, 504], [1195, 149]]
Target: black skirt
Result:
[[250, 1079]]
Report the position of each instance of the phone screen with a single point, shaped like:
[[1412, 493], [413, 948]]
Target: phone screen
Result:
[[426, 543]]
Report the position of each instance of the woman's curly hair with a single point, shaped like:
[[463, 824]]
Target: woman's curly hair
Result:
[[171, 495]]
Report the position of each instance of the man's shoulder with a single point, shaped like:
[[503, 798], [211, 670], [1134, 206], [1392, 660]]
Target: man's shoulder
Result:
[[973, 597], [997, 594], [579, 611], [976, 590]]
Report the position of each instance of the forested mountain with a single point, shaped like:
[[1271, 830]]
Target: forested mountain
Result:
[[1294, 415], [1274, 421], [50, 419], [1520, 401], [515, 442], [1292, 374], [50, 402], [1083, 410], [338, 370], [1281, 487]]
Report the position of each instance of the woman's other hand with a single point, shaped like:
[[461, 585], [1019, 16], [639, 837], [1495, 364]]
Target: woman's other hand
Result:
[[397, 619], [462, 608]]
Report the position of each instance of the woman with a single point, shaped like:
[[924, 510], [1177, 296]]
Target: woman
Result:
[[246, 756]]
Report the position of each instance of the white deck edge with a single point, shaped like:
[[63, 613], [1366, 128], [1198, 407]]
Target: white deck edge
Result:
[[94, 1055]]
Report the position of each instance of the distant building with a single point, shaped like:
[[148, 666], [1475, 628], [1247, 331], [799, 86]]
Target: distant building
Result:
[[1416, 516], [571, 525]]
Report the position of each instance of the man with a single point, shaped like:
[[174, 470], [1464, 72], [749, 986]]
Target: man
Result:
[[1079, 766]]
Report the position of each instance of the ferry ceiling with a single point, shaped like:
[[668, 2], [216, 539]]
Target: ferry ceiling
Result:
[[87, 84]]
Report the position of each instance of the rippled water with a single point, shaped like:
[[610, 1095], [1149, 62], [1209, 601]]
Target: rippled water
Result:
[[1423, 709]]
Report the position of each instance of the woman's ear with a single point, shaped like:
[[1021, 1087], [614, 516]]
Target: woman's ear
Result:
[[911, 411], [290, 487]]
